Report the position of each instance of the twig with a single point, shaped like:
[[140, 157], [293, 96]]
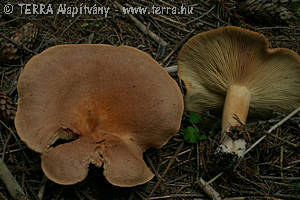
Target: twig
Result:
[[166, 170], [91, 38], [198, 160], [294, 162], [176, 180], [171, 69], [253, 145], [178, 46], [141, 196], [172, 24], [203, 15], [17, 140], [142, 27], [209, 190], [280, 178], [10, 182], [167, 3], [271, 129], [281, 160], [261, 186], [283, 140], [5, 145], [283, 120], [152, 166], [183, 162], [286, 196], [42, 188], [196, 196], [62, 33], [215, 178], [280, 27], [173, 21], [86, 195]]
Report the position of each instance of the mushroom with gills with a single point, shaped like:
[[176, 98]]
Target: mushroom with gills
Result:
[[109, 103], [234, 68]]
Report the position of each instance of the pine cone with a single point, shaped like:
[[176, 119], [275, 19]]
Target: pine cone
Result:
[[8, 109], [270, 11], [25, 37]]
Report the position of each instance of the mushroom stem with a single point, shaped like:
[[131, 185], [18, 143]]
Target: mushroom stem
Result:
[[236, 103]]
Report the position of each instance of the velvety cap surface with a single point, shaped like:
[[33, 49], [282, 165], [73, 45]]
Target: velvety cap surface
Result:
[[114, 101]]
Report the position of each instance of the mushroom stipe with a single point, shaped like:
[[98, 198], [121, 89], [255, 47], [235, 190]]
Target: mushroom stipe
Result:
[[234, 68], [111, 103]]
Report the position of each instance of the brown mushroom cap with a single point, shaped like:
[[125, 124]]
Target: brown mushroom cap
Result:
[[114, 101], [234, 67]]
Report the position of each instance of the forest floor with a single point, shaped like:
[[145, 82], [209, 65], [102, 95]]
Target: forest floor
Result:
[[271, 170]]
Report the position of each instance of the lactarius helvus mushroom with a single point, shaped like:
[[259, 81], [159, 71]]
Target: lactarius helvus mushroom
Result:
[[234, 68], [112, 103]]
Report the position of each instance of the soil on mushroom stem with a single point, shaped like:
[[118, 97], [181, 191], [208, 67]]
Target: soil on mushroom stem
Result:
[[257, 176]]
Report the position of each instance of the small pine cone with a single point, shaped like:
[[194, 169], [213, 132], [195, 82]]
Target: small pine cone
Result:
[[270, 11], [25, 37], [7, 108]]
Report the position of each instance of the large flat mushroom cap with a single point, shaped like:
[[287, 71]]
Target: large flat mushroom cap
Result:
[[115, 101], [210, 62]]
